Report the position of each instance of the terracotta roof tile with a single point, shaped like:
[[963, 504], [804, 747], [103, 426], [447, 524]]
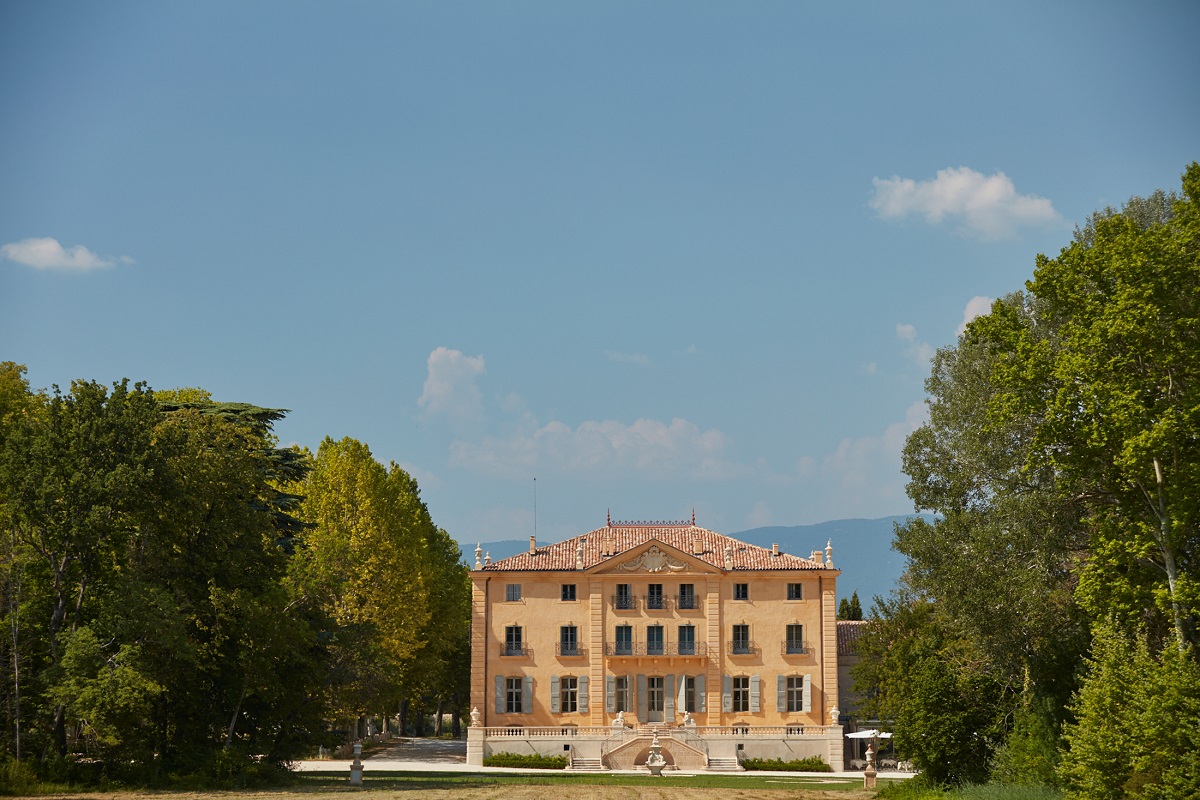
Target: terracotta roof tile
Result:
[[849, 631], [620, 537]]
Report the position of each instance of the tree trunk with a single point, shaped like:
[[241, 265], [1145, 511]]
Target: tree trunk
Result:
[[437, 721], [403, 717]]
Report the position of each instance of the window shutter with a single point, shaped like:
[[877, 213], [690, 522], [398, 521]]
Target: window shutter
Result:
[[681, 697], [499, 694], [727, 693], [807, 693], [701, 698], [781, 693], [755, 695], [555, 696], [583, 700], [527, 696], [610, 694], [669, 698], [641, 698]]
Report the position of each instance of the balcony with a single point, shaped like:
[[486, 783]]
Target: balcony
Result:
[[624, 602], [792, 647], [656, 602], [669, 649], [686, 602], [743, 647], [516, 650], [570, 650]]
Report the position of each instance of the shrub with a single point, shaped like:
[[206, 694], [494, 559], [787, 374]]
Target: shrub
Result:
[[525, 761], [810, 764]]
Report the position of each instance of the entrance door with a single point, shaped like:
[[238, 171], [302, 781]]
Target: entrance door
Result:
[[655, 701]]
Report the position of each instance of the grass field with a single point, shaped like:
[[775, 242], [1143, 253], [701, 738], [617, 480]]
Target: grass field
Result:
[[460, 786]]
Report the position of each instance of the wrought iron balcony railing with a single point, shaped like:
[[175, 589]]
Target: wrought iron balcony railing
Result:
[[672, 649], [570, 650], [791, 647], [742, 647], [623, 602], [509, 649], [686, 602]]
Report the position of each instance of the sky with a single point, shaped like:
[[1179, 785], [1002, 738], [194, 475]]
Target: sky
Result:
[[560, 260]]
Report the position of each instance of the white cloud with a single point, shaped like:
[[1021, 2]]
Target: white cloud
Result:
[[450, 389], [627, 358], [49, 254], [648, 448], [859, 464], [987, 205], [918, 351], [976, 307]]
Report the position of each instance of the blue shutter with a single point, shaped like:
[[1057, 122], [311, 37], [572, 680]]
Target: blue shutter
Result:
[[781, 693], [755, 695], [701, 698], [583, 698], [527, 696], [499, 694], [555, 696], [669, 698], [727, 694], [610, 694]]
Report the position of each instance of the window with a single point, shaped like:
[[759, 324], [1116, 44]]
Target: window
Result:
[[689, 693], [568, 640], [741, 591], [568, 592], [795, 693], [795, 591], [741, 693], [624, 640], [512, 695], [512, 592], [687, 595], [622, 693], [624, 598], [654, 596], [568, 695], [654, 640], [512, 640], [741, 640], [655, 698], [687, 640], [795, 639]]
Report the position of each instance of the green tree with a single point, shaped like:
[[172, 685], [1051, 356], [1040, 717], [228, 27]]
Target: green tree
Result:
[[926, 680], [362, 562]]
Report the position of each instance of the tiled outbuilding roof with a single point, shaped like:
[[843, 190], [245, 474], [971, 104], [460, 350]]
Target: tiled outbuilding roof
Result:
[[616, 538], [849, 631]]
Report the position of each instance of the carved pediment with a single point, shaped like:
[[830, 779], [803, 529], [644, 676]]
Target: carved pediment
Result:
[[655, 559]]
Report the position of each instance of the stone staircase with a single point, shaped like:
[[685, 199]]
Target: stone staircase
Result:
[[724, 765], [587, 765]]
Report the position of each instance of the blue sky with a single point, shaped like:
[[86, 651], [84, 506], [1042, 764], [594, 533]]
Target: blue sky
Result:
[[658, 256]]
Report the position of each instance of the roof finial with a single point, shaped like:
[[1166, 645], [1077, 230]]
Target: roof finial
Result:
[[608, 518], [693, 516], [829, 553], [479, 556]]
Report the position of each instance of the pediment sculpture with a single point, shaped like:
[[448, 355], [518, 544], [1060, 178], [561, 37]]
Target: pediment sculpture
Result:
[[654, 560]]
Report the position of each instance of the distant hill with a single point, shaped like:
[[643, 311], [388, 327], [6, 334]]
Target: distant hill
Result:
[[862, 550]]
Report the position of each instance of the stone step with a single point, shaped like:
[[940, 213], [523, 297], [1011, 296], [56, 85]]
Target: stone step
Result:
[[587, 765], [724, 765]]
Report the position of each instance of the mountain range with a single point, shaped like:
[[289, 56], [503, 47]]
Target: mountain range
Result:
[[862, 550]]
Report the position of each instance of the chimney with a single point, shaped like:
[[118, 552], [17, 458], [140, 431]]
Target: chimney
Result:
[[775, 549], [532, 545], [728, 557]]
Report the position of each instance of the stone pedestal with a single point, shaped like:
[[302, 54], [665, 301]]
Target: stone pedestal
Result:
[[356, 767], [475, 747]]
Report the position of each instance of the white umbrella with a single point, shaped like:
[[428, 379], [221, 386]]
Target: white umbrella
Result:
[[870, 733]]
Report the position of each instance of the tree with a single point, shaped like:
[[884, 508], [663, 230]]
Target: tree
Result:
[[926, 680], [850, 608]]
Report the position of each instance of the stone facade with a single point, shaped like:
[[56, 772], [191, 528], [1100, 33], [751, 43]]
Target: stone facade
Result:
[[728, 650]]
